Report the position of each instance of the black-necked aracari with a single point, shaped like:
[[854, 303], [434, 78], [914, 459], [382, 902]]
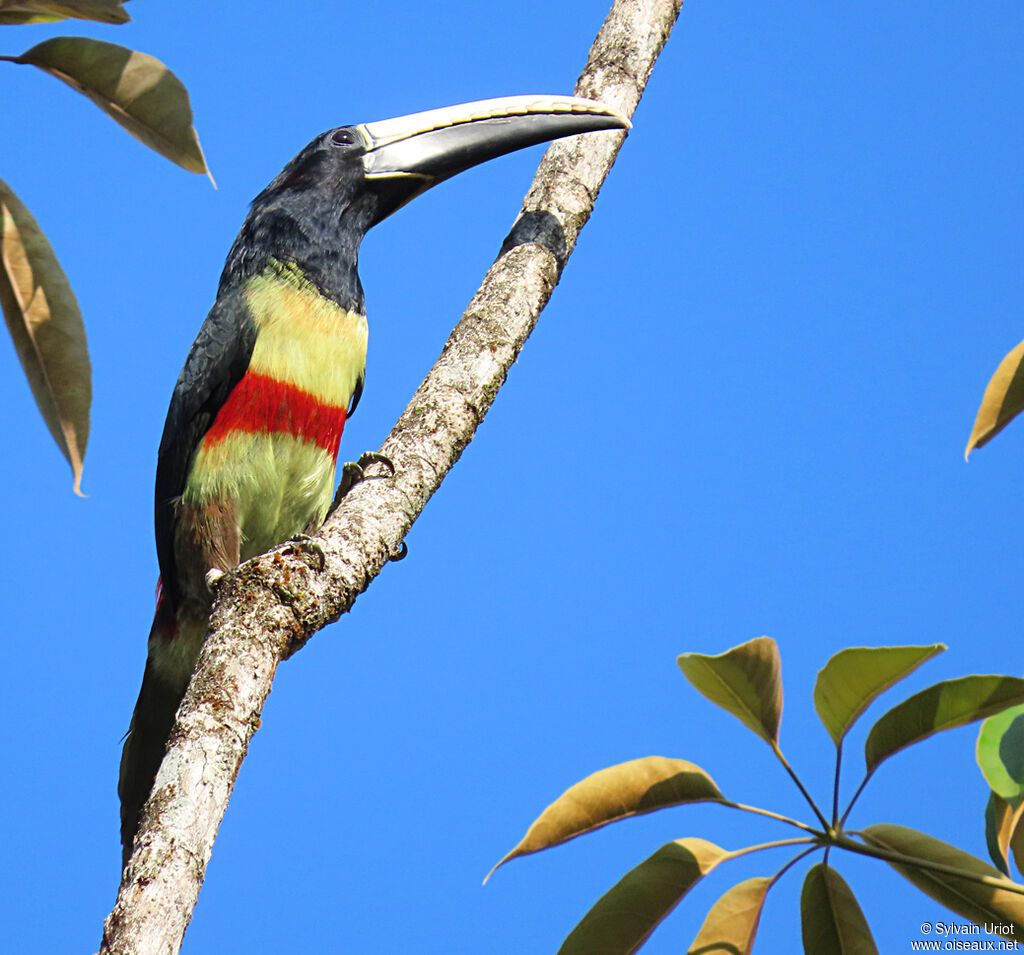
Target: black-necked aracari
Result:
[[248, 453]]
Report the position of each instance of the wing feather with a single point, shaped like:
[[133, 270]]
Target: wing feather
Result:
[[216, 363]]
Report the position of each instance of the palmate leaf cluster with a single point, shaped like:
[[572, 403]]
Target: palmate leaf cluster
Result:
[[746, 681], [39, 307]]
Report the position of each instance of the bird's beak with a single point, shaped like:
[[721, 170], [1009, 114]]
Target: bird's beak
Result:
[[407, 155]]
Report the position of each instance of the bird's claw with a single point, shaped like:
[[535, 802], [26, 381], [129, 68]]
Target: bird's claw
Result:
[[310, 545], [213, 578], [375, 457], [352, 472]]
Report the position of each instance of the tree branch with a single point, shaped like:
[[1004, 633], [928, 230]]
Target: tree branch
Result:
[[271, 605]]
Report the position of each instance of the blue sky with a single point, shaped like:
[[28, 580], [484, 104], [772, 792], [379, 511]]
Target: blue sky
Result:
[[743, 413]]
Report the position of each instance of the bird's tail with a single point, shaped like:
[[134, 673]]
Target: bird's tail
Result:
[[163, 686]]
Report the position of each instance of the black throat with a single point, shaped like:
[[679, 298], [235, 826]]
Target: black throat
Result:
[[309, 231]]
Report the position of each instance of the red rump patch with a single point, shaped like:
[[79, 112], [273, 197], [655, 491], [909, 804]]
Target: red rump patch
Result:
[[260, 404], [164, 621]]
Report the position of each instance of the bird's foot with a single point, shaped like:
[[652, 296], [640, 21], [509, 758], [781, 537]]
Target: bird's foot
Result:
[[352, 472], [213, 578], [310, 545]]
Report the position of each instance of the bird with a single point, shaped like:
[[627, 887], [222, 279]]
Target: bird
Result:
[[249, 449]]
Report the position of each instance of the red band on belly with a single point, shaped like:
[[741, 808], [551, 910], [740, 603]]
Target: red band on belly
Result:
[[260, 404]]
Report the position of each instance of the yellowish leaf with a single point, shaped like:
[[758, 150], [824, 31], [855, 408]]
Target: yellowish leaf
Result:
[[48, 11], [628, 789], [46, 327], [624, 917], [731, 925], [1003, 831], [1017, 846], [746, 681], [1002, 401], [981, 903], [998, 830], [853, 678], [944, 706]]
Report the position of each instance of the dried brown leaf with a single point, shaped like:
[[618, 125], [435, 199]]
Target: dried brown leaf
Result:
[[46, 327], [135, 89]]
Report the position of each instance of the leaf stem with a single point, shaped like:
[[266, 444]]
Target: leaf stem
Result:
[[814, 844], [799, 785], [792, 862], [770, 815], [835, 786], [856, 796]]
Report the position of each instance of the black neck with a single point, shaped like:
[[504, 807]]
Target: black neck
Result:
[[321, 243]]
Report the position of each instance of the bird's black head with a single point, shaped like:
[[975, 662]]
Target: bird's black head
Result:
[[313, 214], [316, 211], [324, 186]]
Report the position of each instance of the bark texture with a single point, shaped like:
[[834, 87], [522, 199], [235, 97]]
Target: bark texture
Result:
[[270, 606]]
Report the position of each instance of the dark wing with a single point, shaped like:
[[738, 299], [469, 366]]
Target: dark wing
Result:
[[218, 360], [357, 393]]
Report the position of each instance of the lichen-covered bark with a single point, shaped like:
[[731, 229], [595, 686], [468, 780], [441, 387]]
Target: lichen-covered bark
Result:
[[274, 603]]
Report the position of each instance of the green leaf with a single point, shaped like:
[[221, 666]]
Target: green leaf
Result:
[[1003, 831], [628, 789], [832, 921], [1002, 401], [974, 901], [943, 706], [624, 917], [1000, 753], [42, 11], [46, 327], [998, 829], [1017, 842], [746, 681], [853, 678], [731, 923], [133, 88]]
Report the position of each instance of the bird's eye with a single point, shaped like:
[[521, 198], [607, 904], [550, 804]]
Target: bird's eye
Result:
[[343, 137]]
